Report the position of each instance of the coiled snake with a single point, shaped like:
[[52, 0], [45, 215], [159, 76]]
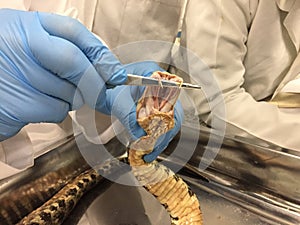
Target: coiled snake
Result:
[[155, 114]]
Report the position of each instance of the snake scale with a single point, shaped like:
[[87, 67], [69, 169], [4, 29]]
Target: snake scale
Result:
[[155, 114]]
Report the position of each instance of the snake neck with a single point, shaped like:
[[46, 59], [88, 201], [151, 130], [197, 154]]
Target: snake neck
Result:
[[155, 126], [139, 148]]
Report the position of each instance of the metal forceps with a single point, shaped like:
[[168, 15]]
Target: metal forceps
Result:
[[148, 81]]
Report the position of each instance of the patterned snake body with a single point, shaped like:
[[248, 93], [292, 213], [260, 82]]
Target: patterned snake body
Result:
[[28, 197], [155, 115], [22, 200], [56, 210]]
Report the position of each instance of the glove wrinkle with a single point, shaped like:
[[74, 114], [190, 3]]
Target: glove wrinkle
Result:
[[46, 69]]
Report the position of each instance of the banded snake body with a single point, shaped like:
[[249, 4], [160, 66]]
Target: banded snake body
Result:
[[155, 114]]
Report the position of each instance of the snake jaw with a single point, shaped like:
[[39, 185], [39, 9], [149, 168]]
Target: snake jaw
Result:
[[158, 101]]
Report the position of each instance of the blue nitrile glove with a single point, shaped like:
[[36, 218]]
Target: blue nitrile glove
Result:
[[43, 58], [121, 102]]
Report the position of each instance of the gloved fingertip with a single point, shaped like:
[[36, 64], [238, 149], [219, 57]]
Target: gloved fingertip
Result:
[[118, 78], [179, 117], [148, 74], [178, 111], [2, 137], [144, 68], [155, 153], [75, 106], [149, 158], [7, 132], [137, 132], [109, 68], [101, 105], [78, 101]]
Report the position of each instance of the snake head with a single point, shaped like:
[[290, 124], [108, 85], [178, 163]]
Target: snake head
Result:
[[155, 109]]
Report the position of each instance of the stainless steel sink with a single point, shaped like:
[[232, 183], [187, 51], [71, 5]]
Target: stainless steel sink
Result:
[[245, 184], [125, 205]]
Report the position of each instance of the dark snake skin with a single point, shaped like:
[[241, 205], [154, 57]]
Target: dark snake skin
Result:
[[56, 209]]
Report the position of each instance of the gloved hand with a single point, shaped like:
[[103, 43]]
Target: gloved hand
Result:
[[121, 102], [43, 59]]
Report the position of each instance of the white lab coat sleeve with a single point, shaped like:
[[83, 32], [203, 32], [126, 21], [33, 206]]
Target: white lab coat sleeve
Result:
[[84, 11], [217, 32], [15, 4], [16, 154]]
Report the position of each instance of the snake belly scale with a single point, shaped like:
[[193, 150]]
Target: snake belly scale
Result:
[[155, 114]]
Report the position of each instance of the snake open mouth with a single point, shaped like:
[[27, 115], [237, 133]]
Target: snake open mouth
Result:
[[158, 99]]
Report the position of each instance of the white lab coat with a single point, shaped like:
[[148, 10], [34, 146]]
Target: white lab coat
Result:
[[251, 46]]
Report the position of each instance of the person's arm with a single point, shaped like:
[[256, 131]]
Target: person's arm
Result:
[[217, 32], [16, 154]]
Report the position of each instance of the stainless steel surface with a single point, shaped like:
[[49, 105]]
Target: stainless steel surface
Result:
[[257, 176], [121, 204], [148, 81], [248, 182]]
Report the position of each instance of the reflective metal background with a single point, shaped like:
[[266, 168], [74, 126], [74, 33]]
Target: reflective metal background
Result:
[[245, 184]]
